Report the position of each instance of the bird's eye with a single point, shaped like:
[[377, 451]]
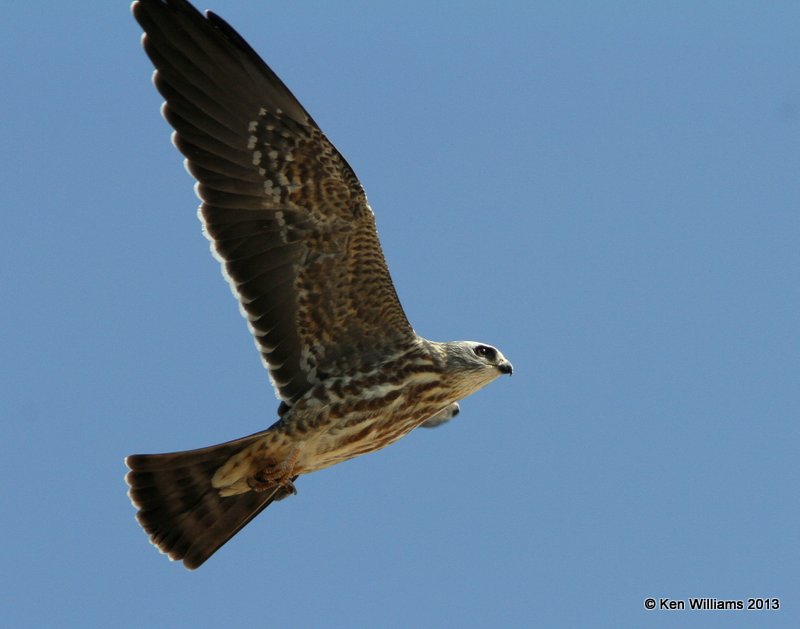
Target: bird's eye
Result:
[[485, 352]]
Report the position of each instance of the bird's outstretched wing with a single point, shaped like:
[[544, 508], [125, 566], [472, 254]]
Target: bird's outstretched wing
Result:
[[285, 213]]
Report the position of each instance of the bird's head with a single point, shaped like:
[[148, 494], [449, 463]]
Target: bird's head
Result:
[[473, 365]]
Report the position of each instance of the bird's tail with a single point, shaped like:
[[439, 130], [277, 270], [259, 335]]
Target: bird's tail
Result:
[[185, 516]]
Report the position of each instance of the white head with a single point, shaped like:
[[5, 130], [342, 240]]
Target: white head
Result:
[[473, 365]]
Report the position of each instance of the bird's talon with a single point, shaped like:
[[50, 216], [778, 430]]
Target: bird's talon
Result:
[[278, 475], [288, 485]]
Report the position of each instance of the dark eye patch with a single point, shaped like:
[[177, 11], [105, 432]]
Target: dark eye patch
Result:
[[485, 352]]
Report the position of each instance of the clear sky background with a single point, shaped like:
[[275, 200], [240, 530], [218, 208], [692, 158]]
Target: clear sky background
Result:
[[608, 192]]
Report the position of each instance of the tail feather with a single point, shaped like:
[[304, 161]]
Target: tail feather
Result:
[[183, 514]]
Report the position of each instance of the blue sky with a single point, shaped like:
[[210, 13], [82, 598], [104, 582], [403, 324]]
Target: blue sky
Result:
[[608, 192]]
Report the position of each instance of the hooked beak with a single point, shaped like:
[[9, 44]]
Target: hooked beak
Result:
[[506, 367]]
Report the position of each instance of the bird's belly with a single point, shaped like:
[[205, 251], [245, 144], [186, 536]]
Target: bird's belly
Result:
[[351, 432]]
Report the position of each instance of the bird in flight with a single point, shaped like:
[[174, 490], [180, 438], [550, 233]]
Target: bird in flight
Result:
[[290, 224]]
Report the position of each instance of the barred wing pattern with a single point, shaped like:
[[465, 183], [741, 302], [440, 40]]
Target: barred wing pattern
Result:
[[285, 213]]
